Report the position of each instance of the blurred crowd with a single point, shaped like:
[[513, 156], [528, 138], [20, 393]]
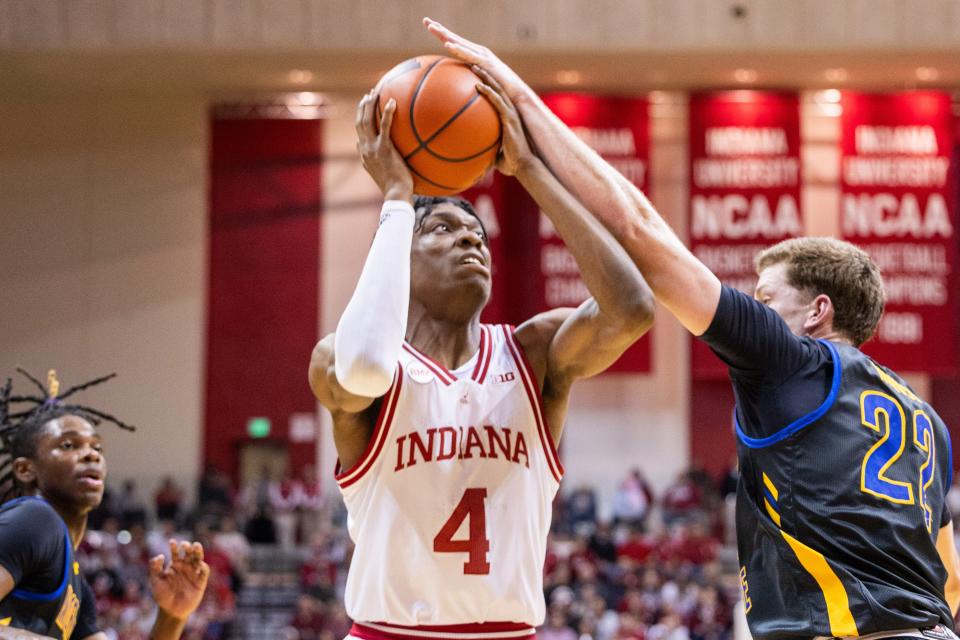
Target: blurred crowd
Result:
[[657, 569]]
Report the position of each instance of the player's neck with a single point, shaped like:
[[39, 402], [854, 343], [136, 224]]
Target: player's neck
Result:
[[449, 342], [830, 334], [76, 520]]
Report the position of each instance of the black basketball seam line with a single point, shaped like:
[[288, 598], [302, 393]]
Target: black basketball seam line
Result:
[[413, 98], [436, 184], [424, 144], [468, 158]]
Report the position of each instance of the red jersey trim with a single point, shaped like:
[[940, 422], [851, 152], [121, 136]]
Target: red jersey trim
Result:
[[536, 402], [486, 355], [379, 437], [438, 369], [478, 631]]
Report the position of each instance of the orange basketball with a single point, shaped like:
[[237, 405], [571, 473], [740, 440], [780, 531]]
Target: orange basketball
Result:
[[447, 132]]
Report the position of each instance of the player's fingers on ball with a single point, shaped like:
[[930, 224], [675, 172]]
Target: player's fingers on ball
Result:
[[368, 112], [489, 79], [358, 121], [498, 102], [386, 118]]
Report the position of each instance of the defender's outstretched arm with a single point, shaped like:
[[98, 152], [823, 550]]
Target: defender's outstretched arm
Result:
[[678, 279]]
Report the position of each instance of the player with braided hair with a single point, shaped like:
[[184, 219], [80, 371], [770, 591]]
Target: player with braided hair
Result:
[[52, 472]]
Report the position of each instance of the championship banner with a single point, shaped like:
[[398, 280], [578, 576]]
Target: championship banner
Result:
[[744, 188], [898, 202], [618, 129]]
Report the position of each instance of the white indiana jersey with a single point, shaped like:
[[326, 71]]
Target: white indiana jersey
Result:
[[450, 505]]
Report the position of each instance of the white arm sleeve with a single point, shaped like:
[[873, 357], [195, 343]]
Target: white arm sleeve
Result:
[[371, 330]]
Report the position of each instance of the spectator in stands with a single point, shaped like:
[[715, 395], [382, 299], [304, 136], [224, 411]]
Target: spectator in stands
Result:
[[632, 499], [215, 491], [233, 544], [168, 500], [133, 510], [308, 619], [637, 547], [728, 483], [312, 503], [710, 619], [681, 498], [670, 627], [582, 507], [255, 502], [286, 495], [158, 536], [556, 627], [601, 542]]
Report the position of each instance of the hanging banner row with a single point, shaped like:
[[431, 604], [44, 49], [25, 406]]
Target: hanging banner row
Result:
[[898, 184]]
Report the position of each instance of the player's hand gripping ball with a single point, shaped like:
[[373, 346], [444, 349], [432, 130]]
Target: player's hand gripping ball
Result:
[[447, 132]]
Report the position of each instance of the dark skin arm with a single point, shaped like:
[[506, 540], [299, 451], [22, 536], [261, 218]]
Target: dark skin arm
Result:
[[685, 286], [565, 345]]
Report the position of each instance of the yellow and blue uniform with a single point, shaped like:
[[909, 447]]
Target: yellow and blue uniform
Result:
[[51, 598], [844, 474]]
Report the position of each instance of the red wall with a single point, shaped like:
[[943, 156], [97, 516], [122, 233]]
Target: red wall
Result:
[[263, 281]]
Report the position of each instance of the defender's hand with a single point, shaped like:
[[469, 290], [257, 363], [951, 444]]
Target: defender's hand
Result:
[[380, 158], [473, 53], [178, 588], [515, 151]]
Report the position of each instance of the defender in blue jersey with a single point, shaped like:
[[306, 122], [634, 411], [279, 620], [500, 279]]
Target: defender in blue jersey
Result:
[[842, 526], [52, 460]]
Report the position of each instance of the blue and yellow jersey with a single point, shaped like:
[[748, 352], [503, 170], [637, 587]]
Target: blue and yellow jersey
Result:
[[838, 511], [36, 549]]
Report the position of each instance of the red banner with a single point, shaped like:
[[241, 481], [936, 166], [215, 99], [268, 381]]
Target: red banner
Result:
[[744, 187], [618, 129], [898, 202]]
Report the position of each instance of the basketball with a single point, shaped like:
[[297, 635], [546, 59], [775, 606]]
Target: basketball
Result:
[[447, 132]]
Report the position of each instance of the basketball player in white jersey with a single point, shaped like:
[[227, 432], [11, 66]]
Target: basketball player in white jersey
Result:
[[446, 429]]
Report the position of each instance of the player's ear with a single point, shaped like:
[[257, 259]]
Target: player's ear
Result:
[[821, 311], [24, 471]]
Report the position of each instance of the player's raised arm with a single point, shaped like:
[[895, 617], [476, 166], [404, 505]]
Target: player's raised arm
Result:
[[589, 339], [681, 282], [356, 365]]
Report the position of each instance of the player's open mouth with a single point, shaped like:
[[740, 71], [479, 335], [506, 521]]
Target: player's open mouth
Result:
[[475, 262], [92, 479]]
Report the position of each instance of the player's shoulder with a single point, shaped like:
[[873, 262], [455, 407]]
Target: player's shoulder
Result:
[[32, 515], [32, 507], [536, 334], [538, 331]]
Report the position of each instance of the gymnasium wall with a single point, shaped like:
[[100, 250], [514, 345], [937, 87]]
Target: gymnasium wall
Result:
[[102, 262]]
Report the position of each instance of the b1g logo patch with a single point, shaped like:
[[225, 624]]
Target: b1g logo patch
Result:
[[419, 373], [503, 378]]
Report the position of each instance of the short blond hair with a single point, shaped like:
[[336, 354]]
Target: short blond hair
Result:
[[838, 269]]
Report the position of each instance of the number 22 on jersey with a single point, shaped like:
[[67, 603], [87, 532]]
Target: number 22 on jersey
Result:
[[476, 545], [885, 415]]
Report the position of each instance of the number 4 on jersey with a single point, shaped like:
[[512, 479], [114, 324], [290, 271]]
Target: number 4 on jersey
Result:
[[477, 545]]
